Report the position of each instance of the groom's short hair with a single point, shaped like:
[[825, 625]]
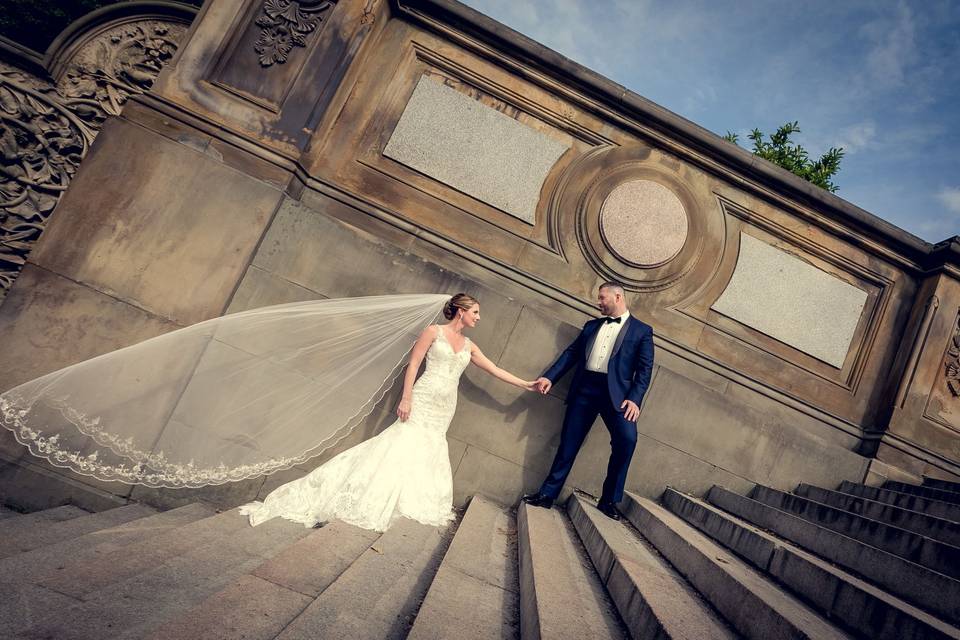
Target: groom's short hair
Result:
[[616, 286]]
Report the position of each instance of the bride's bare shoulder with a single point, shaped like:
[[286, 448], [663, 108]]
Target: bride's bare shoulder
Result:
[[426, 337]]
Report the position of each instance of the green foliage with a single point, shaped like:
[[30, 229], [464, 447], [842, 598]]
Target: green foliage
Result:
[[793, 157]]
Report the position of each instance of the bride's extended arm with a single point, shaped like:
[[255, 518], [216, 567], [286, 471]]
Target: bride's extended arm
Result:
[[482, 361], [416, 357]]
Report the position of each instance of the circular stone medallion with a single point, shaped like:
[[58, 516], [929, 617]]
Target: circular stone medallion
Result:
[[643, 222]]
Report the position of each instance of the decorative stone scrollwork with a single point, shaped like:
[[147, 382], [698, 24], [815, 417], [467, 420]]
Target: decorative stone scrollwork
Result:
[[47, 129], [952, 365], [285, 25], [122, 61], [43, 137]]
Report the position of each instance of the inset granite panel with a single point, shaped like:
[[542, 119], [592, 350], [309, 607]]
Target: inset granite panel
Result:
[[792, 301], [644, 222], [474, 148]]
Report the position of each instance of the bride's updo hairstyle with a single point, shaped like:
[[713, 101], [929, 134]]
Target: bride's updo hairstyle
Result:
[[459, 301]]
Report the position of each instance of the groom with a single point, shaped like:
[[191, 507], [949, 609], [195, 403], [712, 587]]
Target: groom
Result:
[[612, 360]]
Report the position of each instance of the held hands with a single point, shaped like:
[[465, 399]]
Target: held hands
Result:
[[403, 409], [542, 385], [632, 411]]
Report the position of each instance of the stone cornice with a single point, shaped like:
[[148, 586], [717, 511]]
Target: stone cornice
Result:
[[619, 101], [22, 57]]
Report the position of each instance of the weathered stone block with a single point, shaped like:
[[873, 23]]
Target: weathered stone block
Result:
[[261, 288], [174, 236], [484, 473], [48, 322]]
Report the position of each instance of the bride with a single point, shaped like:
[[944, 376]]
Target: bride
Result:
[[255, 392], [405, 470]]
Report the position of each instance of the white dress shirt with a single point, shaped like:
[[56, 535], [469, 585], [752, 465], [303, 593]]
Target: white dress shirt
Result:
[[606, 337]]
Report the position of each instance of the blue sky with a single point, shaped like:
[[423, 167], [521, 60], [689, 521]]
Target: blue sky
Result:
[[879, 78]]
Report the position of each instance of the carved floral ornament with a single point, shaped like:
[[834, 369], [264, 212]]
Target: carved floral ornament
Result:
[[46, 130], [952, 365], [43, 137], [285, 24], [122, 61]]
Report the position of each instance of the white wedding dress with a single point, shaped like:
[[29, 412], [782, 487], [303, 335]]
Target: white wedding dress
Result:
[[402, 472]]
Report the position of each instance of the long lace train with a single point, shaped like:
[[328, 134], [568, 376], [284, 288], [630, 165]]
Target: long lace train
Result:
[[402, 472]]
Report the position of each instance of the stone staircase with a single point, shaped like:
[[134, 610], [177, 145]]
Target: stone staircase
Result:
[[855, 562]]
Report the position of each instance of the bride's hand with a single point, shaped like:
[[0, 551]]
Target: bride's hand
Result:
[[530, 385], [403, 409]]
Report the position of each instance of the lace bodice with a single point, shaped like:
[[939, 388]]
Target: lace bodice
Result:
[[442, 360], [435, 392]]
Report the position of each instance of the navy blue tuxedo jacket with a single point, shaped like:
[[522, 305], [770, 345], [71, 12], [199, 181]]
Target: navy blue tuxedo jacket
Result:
[[630, 366]]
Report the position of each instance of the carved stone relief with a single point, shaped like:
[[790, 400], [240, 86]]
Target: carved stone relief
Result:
[[952, 364], [943, 403], [119, 62], [285, 24], [47, 129]]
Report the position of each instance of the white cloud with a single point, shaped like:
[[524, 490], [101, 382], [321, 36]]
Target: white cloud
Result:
[[561, 25], [938, 229], [894, 47], [857, 137], [950, 197], [700, 98]]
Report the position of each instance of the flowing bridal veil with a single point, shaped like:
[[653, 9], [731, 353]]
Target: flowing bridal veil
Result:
[[230, 398]]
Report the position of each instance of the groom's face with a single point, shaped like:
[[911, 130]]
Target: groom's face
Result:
[[608, 301]]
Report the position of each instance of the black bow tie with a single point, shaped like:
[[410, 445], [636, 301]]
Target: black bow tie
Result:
[[607, 319]]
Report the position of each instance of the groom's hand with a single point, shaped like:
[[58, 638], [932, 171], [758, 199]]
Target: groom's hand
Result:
[[631, 410], [543, 385]]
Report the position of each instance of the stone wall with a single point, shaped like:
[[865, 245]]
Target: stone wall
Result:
[[421, 147]]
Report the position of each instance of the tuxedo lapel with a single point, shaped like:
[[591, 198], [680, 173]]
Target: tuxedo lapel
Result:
[[627, 325], [594, 330]]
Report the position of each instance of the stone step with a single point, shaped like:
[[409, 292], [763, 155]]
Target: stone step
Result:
[[474, 594], [22, 602], [929, 526], [561, 596], [652, 598], [756, 607], [379, 594], [87, 575], [30, 565], [27, 524], [953, 497], [54, 532], [927, 506], [259, 605], [858, 606], [932, 591], [924, 551], [135, 607], [937, 483]]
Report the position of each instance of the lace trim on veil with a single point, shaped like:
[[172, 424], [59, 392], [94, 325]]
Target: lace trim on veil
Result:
[[47, 417], [149, 469]]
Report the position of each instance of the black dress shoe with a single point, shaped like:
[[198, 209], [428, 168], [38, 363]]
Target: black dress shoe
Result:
[[538, 500], [608, 509]]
